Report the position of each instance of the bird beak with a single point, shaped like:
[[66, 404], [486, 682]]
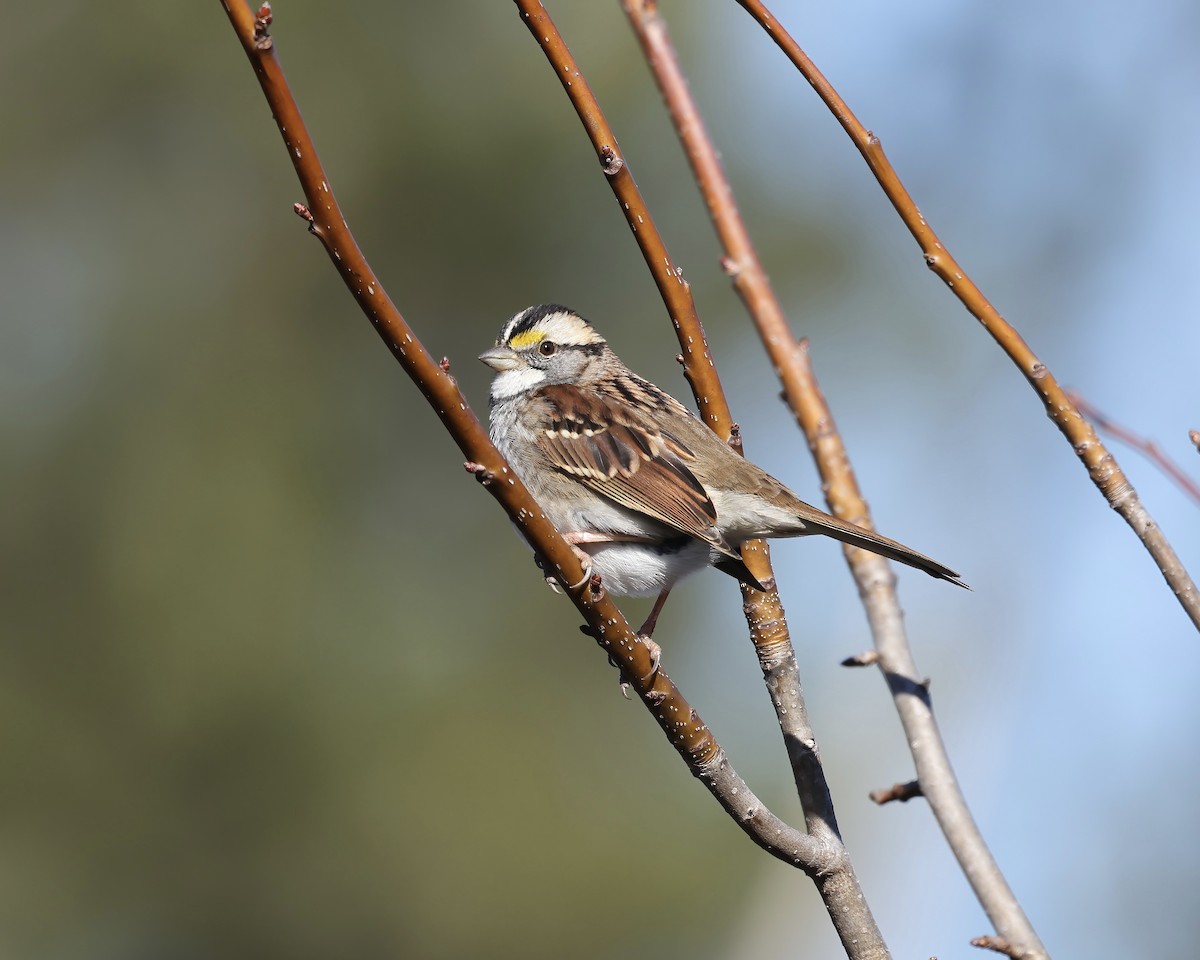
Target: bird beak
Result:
[[500, 358]]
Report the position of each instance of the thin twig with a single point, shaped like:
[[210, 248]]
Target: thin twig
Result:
[[1102, 467], [740, 261], [1146, 447], [1000, 945], [839, 887], [901, 792], [698, 365], [682, 725], [873, 574]]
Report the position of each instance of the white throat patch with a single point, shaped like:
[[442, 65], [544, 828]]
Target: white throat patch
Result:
[[509, 383]]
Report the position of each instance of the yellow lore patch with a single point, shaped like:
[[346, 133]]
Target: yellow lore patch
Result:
[[527, 338]]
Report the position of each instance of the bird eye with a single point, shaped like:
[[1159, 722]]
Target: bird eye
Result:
[[547, 348]]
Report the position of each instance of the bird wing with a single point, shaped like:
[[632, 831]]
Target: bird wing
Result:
[[605, 443]]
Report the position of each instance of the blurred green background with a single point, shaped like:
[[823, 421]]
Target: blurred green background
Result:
[[277, 679]]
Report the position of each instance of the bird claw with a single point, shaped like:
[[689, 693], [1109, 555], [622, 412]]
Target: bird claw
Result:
[[587, 576], [552, 582], [655, 652]]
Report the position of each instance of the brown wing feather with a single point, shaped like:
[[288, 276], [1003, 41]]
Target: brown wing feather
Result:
[[622, 455]]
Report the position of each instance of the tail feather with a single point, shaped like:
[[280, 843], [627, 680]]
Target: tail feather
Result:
[[830, 526]]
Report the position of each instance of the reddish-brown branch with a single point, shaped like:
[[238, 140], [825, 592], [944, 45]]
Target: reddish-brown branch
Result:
[[873, 574], [698, 365], [1148, 448], [740, 261], [1102, 467], [683, 726]]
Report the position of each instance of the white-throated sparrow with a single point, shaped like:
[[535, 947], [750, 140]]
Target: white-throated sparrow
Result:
[[629, 475]]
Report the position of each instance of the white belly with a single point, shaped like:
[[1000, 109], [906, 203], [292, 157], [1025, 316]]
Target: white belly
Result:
[[638, 570]]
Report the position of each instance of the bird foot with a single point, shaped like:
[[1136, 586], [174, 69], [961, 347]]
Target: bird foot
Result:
[[655, 652], [585, 561]]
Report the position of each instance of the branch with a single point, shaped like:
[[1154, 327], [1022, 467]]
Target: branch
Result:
[[876, 586], [902, 792], [1102, 467], [682, 725], [1148, 448], [741, 261], [875, 580], [1000, 945], [698, 365]]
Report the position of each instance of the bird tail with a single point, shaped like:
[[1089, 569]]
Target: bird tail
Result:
[[820, 522]]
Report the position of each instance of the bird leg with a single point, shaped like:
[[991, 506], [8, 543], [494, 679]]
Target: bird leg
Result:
[[575, 538], [646, 630], [585, 561], [588, 536]]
